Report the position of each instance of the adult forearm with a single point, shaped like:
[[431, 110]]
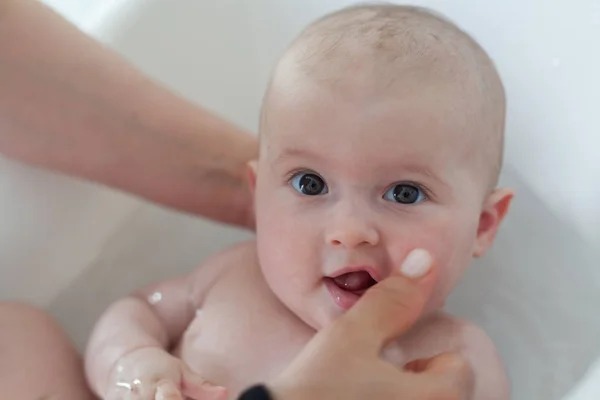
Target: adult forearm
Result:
[[69, 104]]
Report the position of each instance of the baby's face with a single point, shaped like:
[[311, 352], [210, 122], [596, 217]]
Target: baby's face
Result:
[[349, 182]]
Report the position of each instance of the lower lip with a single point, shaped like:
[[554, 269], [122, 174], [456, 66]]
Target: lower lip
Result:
[[342, 298]]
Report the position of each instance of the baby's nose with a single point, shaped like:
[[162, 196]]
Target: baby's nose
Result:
[[352, 233]]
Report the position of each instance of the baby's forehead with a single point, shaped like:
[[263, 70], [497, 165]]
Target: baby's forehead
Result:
[[377, 127]]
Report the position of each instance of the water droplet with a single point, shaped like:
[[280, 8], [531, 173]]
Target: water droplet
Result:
[[124, 385], [155, 297]]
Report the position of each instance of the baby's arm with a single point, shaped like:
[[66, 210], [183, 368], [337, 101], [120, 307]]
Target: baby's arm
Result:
[[154, 317]]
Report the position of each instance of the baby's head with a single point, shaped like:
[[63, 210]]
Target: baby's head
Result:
[[381, 132]]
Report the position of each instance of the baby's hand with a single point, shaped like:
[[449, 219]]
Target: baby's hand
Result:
[[153, 374]]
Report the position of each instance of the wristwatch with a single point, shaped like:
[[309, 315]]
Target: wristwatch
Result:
[[256, 392]]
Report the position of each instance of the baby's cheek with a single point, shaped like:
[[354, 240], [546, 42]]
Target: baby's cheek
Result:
[[432, 236], [448, 241], [286, 241]]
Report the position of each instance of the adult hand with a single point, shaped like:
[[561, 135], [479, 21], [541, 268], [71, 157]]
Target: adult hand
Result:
[[343, 361]]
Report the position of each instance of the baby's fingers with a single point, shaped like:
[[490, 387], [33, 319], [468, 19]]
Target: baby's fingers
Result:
[[167, 390], [196, 387]]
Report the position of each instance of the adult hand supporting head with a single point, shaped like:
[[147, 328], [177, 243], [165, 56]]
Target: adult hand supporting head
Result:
[[343, 360]]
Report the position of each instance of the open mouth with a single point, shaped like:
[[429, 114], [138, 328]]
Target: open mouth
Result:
[[356, 282], [347, 288]]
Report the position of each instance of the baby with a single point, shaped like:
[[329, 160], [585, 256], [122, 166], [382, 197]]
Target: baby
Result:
[[381, 134]]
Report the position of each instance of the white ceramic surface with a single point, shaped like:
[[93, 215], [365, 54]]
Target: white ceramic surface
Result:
[[535, 293]]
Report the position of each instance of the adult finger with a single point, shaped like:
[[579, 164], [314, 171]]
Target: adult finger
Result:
[[195, 387], [392, 306]]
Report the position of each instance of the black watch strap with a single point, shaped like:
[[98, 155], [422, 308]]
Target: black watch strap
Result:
[[256, 392]]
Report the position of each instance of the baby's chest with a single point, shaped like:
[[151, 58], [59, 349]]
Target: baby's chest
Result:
[[242, 335]]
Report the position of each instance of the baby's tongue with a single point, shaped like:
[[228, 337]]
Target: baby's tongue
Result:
[[354, 281]]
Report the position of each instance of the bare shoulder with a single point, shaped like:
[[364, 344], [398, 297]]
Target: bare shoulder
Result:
[[441, 333], [216, 266], [241, 251], [491, 379]]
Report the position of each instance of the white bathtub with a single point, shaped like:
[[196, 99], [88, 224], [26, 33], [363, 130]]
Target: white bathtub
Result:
[[537, 291]]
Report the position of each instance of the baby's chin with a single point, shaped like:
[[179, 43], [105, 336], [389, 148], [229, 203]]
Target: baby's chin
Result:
[[315, 310], [321, 320], [323, 315]]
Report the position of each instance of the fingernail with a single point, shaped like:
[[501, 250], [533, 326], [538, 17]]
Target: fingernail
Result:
[[416, 264], [213, 392], [213, 388]]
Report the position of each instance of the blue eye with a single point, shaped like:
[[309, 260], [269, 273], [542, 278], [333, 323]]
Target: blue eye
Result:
[[309, 184], [405, 194]]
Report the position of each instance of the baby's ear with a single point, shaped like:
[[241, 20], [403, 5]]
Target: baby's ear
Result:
[[494, 211], [252, 166]]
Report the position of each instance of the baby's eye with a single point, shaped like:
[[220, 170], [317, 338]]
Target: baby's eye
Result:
[[405, 194], [309, 184]]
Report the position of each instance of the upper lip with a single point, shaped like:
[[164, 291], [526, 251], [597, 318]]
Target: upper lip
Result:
[[374, 272]]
